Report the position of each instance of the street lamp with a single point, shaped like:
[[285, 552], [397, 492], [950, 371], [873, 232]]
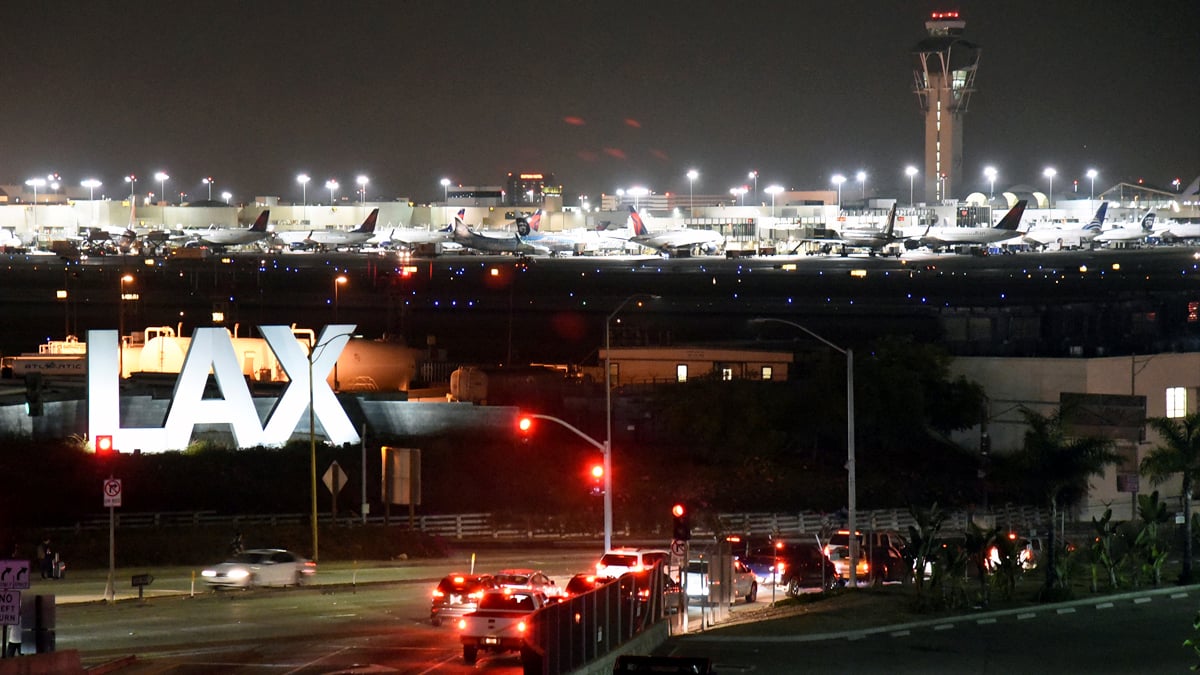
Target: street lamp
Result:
[[910, 172], [637, 192], [851, 498], [362, 188], [342, 338], [989, 172], [91, 184], [692, 175], [337, 281], [773, 190], [445, 189], [753, 175], [608, 500], [35, 183], [162, 177], [226, 196], [1050, 173], [861, 177], [331, 185], [125, 278], [208, 180], [1091, 174], [838, 179]]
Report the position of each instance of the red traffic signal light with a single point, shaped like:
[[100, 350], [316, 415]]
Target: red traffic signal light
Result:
[[681, 526], [104, 445], [598, 471], [525, 424]]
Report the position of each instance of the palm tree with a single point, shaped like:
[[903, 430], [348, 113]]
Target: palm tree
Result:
[[1178, 452], [1059, 468]]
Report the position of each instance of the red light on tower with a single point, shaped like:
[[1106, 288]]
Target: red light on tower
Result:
[[525, 424]]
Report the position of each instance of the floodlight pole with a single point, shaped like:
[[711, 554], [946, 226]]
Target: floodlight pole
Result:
[[851, 492], [608, 418]]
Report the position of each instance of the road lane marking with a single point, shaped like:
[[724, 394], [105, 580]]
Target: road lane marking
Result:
[[1104, 605], [985, 622], [902, 633], [1066, 610], [1178, 596], [1026, 615], [1141, 601], [944, 626]]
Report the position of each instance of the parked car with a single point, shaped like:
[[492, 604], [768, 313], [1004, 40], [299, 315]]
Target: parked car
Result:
[[458, 594], [260, 567], [701, 577], [794, 565], [619, 561], [529, 580]]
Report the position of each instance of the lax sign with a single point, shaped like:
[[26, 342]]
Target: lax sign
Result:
[[211, 350]]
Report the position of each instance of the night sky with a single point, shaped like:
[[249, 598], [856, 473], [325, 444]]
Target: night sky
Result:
[[602, 94]]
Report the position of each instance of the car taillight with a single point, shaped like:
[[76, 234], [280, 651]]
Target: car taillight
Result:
[[462, 624], [520, 626], [476, 595], [782, 566], [438, 594], [637, 568]]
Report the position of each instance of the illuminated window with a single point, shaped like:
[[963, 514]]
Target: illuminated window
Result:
[[726, 374], [1176, 402], [614, 372], [1193, 312], [681, 372], [767, 372]]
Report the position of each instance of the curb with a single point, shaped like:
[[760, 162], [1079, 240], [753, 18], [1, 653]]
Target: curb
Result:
[[1099, 602]]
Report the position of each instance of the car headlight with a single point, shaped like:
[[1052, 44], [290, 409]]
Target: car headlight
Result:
[[238, 574], [208, 573]]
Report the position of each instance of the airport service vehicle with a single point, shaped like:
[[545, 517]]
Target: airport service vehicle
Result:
[[458, 594], [618, 561], [500, 622], [260, 567], [529, 580], [700, 580]]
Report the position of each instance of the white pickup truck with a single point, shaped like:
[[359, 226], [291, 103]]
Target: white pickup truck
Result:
[[499, 623]]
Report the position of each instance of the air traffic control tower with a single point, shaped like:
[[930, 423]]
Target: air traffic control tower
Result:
[[945, 77]]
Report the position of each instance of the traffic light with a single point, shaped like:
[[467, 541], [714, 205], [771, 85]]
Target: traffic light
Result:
[[104, 445], [681, 525], [597, 479]]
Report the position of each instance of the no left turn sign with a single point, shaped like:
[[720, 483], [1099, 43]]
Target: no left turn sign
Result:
[[112, 492]]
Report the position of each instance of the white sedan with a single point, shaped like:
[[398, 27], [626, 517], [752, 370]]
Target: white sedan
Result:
[[744, 581], [261, 567]]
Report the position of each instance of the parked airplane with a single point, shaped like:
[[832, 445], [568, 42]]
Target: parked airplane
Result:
[[464, 236], [335, 238], [872, 239], [674, 242], [1130, 232], [232, 236], [1176, 231], [1068, 236], [940, 237]]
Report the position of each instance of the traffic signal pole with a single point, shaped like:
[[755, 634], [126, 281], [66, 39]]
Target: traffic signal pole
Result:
[[603, 448]]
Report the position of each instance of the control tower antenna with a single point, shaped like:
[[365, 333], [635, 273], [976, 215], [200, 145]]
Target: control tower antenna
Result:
[[944, 74]]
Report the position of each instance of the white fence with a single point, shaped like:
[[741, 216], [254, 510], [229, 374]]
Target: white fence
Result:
[[490, 526]]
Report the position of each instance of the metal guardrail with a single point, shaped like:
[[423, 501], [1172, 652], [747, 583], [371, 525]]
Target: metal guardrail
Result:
[[489, 526]]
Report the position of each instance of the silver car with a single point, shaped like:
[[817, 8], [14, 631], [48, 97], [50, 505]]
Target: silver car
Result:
[[260, 567]]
